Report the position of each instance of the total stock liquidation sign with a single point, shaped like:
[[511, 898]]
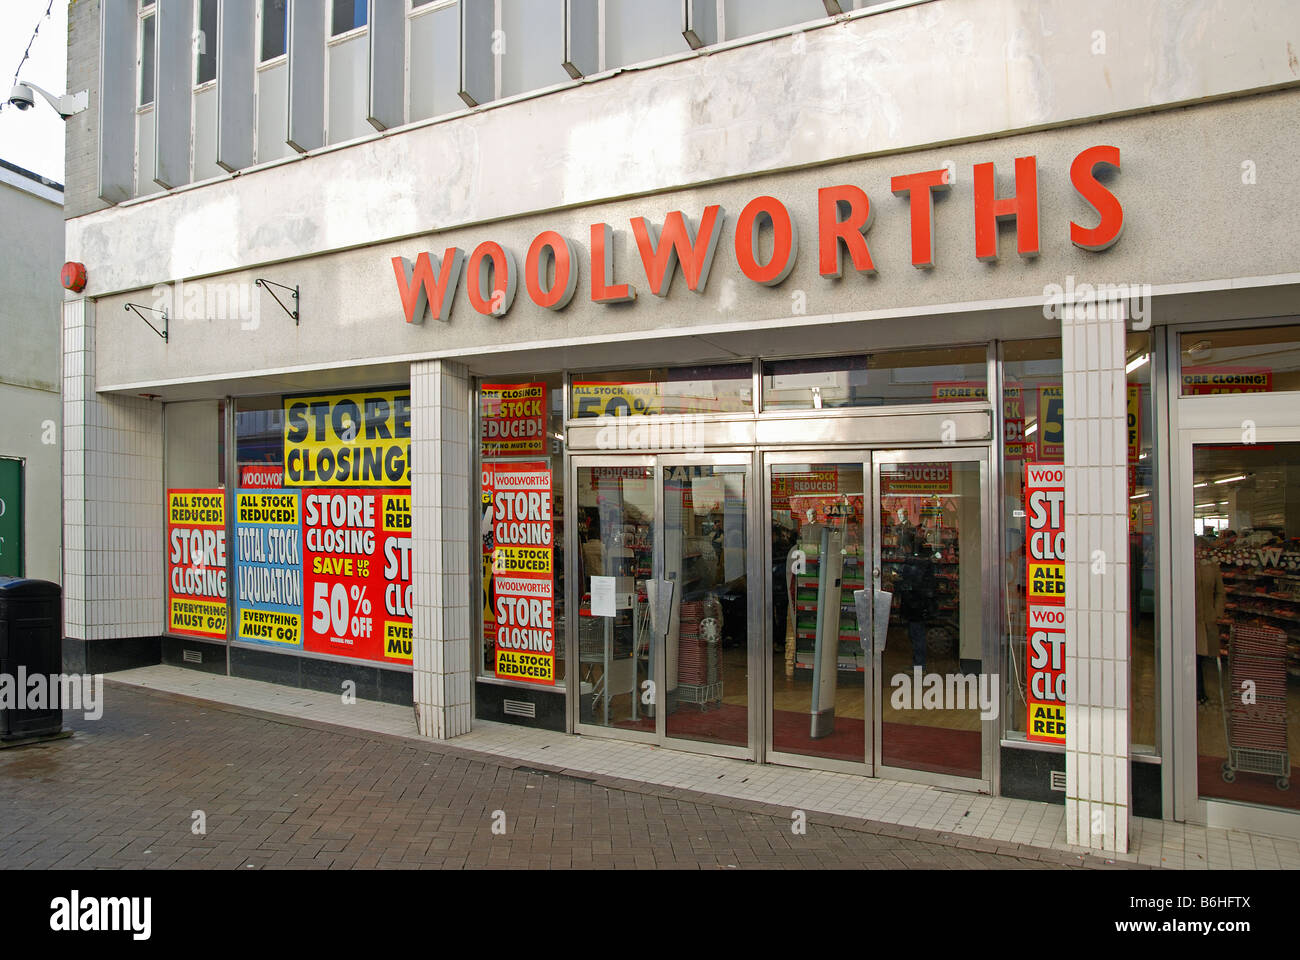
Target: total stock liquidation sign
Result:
[[1045, 601]]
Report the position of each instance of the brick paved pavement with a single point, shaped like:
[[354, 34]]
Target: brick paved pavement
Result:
[[278, 792]]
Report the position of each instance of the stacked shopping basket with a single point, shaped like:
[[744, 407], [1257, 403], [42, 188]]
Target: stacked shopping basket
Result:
[[1254, 723]]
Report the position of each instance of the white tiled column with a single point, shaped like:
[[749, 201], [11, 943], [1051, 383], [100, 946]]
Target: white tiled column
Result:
[[440, 503], [1096, 599], [112, 498]]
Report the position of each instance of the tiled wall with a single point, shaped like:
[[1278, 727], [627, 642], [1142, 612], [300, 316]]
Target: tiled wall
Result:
[[113, 498], [440, 504], [1096, 602]]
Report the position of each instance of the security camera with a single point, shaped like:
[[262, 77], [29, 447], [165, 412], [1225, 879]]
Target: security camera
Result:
[[23, 96]]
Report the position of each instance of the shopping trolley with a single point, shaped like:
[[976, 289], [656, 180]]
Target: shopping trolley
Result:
[[1255, 732]]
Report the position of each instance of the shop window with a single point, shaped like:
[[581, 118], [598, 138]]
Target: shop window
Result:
[[1254, 360], [1033, 432], [322, 521], [676, 390], [1246, 591], [521, 429], [914, 376], [349, 87], [1144, 591], [745, 18], [194, 459], [275, 28]]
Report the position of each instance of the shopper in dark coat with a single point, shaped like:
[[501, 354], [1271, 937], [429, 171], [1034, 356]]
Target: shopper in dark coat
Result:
[[917, 588]]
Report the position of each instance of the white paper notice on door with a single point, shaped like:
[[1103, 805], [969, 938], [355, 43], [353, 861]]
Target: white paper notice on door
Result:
[[602, 596]]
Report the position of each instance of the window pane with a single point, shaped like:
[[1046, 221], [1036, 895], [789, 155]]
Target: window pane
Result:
[[1034, 418], [434, 74], [206, 67], [1143, 585], [275, 16], [532, 45], [713, 389], [639, 30], [146, 62], [1258, 360], [745, 18], [913, 376], [348, 15], [511, 417], [1246, 591]]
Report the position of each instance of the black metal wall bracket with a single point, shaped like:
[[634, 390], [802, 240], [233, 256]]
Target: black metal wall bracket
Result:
[[268, 284], [136, 308]]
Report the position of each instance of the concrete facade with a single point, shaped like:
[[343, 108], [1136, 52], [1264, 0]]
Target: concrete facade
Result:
[[31, 234], [1210, 158]]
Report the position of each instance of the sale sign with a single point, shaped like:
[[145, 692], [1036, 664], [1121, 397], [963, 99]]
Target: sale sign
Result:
[[523, 576], [348, 439], [1202, 381], [513, 417], [1045, 596], [268, 568], [916, 478], [357, 562], [1051, 423], [1046, 676], [1134, 422], [196, 563]]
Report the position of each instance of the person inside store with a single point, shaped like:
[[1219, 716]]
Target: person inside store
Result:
[[1211, 596], [917, 588]]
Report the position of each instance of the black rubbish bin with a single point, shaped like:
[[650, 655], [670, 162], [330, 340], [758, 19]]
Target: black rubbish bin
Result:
[[31, 643]]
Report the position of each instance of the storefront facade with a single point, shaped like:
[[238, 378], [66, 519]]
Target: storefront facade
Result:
[[657, 406]]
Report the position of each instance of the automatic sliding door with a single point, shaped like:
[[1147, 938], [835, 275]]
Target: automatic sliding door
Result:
[[818, 695], [705, 558]]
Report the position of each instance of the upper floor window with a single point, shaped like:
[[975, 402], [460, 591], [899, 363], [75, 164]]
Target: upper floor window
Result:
[[275, 21], [205, 42], [348, 15], [146, 62]]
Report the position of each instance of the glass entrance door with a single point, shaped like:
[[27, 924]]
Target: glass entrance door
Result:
[[937, 687], [819, 707], [880, 648], [662, 575]]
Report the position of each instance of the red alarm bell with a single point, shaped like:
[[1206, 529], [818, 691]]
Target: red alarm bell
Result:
[[73, 276]]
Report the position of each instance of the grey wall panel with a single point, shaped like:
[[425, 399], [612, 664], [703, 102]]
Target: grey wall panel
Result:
[[387, 60], [306, 75], [700, 22], [581, 37], [477, 73], [117, 27], [174, 49], [235, 102]]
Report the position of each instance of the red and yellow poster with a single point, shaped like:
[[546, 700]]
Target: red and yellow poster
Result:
[[513, 416], [925, 479], [196, 562], [348, 439], [357, 590], [1045, 596], [1198, 381], [522, 594]]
